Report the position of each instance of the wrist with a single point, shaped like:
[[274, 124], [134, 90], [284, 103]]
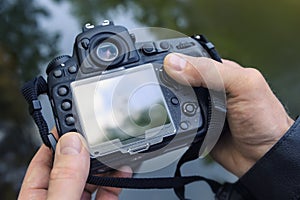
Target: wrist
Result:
[[279, 169], [253, 152], [238, 155]]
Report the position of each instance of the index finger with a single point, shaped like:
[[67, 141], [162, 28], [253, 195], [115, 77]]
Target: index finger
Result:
[[36, 180]]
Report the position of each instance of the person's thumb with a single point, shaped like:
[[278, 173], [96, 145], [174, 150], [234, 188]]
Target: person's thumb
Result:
[[70, 169], [202, 71]]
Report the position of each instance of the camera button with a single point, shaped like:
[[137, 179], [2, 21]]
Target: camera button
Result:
[[66, 105], [189, 108], [184, 125], [57, 73], [149, 48], [164, 45], [73, 69], [174, 101], [70, 120], [62, 91]]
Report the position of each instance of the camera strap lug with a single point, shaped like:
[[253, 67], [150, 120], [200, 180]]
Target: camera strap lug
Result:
[[208, 46], [52, 141]]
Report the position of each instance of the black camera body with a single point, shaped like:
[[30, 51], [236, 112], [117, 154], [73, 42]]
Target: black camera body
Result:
[[115, 92]]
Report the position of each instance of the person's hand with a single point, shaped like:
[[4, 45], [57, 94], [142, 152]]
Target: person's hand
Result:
[[256, 118], [66, 179]]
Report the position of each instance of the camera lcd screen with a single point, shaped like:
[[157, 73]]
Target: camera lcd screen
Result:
[[123, 107]]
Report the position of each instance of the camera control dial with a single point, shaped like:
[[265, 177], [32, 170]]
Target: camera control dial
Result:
[[56, 62]]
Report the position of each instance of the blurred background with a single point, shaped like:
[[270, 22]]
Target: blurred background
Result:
[[260, 34]]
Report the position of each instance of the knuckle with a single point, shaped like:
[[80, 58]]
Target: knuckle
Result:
[[231, 63], [254, 77]]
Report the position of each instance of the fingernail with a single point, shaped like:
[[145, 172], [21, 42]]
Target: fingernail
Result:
[[125, 169], [176, 62], [70, 144]]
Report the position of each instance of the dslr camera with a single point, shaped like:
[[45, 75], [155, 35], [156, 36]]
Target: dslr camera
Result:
[[115, 92]]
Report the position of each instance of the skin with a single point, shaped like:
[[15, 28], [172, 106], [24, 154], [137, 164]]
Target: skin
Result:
[[256, 121], [66, 177], [256, 118]]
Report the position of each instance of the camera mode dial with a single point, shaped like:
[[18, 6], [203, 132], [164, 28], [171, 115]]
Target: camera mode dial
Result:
[[56, 62]]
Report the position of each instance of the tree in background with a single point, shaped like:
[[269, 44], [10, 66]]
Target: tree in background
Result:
[[23, 47]]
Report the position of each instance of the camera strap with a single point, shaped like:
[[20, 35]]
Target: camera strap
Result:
[[31, 90]]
